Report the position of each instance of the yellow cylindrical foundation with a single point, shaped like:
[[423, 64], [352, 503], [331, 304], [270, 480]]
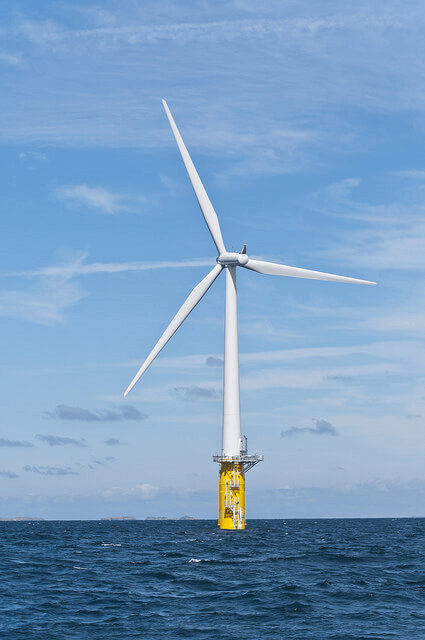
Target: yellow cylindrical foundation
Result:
[[231, 496]]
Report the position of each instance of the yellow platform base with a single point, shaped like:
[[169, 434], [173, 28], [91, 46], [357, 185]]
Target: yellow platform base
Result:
[[231, 496]]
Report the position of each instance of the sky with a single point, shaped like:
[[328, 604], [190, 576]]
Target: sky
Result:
[[306, 122]]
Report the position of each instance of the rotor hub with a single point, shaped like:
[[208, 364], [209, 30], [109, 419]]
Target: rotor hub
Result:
[[229, 259]]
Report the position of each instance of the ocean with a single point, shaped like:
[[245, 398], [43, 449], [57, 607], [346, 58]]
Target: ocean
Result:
[[277, 580]]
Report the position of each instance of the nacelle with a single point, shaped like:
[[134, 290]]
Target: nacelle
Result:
[[232, 259]]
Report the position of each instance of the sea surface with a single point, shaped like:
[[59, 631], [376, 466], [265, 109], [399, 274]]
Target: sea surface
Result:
[[277, 580]]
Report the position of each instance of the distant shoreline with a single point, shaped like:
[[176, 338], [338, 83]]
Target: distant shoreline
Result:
[[193, 519], [120, 518]]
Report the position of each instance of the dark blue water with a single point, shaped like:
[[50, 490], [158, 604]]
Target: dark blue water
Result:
[[303, 579]]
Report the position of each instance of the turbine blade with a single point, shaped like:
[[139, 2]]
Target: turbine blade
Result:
[[203, 199], [188, 306], [273, 269]]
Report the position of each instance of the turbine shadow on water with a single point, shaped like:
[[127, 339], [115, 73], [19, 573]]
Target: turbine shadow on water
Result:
[[234, 459]]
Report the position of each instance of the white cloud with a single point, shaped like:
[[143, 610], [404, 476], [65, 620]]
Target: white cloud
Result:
[[377, 68], [54, 289], [393, 234], [310, 378], [42, 32], [96, 198], [416, 174], [400, 320], [336, 200], [266, 328], [11, 59], [412, 351], [32, 157], [145, 491], [110, 267], [50, 34], [46, 301]]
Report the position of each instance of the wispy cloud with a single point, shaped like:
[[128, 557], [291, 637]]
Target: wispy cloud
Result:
[[145, 491], [32, 158], [410, 319], [98, 198], [322, 427], [266, 327], [51, 471], [50, 34], [392, 234], [194, 392], [9, 474], [361, 38], [375, 349], [81, 268], [11, 59], [416, 174], [14, 443], [57, 441], [313, 377], [47, 299], [112, 442], [105, 460], [399, 248], [125, 412], [54, 288], [212, 361]]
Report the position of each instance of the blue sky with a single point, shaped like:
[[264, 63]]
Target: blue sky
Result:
[[306, 124]]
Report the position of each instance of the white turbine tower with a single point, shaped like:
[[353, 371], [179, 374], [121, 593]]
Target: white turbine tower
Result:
[[234, 459]]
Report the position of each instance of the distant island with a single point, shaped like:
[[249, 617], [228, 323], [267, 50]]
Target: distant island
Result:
[[120, 518], [132, 518], [165, 518], [148, 518], [19, 519]]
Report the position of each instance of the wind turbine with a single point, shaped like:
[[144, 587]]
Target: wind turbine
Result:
[[234, 459]]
